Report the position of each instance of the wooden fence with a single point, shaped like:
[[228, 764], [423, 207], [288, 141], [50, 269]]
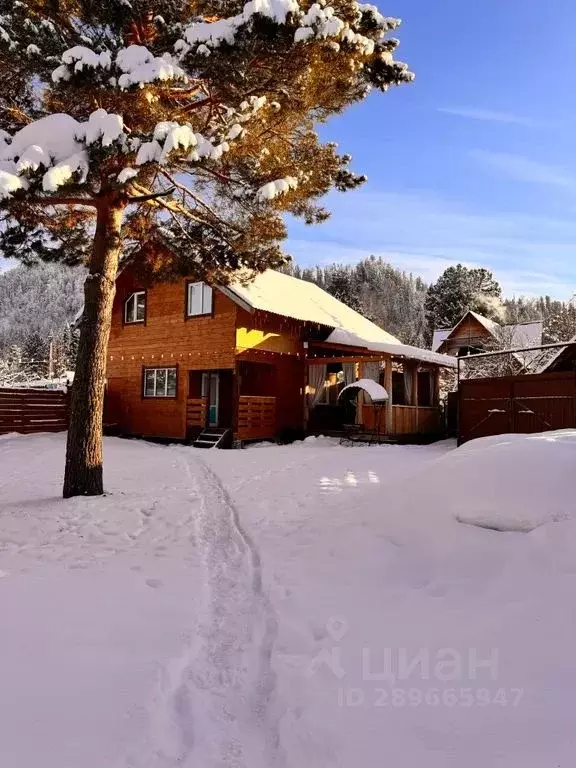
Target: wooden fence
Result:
[[33, 410], [523, 404]]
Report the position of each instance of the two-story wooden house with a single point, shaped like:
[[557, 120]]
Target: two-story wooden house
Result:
[[259, 359]]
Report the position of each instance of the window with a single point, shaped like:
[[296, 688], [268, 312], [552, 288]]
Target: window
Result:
[[135, 307], [160, 382], [198, 299]]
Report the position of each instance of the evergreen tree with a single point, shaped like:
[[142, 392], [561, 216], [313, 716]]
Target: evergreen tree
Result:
[[459, 289], [560, 324], [388, 296], [36, 352], [175, 134]]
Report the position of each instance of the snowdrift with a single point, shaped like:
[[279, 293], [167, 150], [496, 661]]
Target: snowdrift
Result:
[[505, 483]]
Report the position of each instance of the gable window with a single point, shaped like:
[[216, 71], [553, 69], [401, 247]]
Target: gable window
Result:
[[135, 307], [199, 298], [160, 382]]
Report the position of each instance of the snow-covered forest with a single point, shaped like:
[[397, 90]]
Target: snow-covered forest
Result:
[[39, 304], [402, 302]]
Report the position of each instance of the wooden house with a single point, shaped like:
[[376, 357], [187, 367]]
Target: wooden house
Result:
[[474, 334], [561, 359], [257, 360]]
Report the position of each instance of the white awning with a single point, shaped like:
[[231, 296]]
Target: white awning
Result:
[[375, 391]]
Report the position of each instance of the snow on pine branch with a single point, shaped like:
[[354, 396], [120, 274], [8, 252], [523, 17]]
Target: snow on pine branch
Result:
[[56, 143], [54, 148], [132, 66], [278, 187], [320, 21]]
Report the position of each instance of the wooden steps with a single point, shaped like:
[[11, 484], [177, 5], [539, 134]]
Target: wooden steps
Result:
[[214, 437]]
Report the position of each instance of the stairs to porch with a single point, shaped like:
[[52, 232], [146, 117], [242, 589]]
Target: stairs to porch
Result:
[[214, 437]]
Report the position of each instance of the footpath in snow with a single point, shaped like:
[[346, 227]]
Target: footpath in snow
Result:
[[299, 606]]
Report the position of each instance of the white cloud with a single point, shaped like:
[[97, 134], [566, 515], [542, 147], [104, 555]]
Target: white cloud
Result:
[[490, 115], [421, 233], [523, 168]]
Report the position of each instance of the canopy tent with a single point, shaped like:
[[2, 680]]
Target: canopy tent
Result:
[[375, 391]]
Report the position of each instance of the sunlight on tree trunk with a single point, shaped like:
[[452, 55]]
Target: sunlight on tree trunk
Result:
[[83, 473]]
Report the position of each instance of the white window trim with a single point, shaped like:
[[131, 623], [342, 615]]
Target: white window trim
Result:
[[155, 372], [133, 300], [203, 312]]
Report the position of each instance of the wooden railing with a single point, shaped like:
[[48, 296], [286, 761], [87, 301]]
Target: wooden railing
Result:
[[33, 410], [412, 420], [256, 417], [196, 411], [406, 419]]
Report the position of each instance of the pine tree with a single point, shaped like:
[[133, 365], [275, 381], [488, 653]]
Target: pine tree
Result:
[[560, 324], [459, 289], [173, 134]]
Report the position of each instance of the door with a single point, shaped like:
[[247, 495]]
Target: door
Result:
[[211, 391]]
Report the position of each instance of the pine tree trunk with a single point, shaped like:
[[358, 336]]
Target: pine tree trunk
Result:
[[83, 472]]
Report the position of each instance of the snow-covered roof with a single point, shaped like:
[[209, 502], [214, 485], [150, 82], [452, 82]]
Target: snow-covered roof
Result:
[[490, 325], [340, 336], [440, 335], [375, 391], [526, 334], [541, 366], [284, 295]]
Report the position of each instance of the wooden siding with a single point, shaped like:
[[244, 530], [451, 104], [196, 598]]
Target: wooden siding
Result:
[[166, 339], [471, 333], [266, 332], [33, 410], [256, 417]]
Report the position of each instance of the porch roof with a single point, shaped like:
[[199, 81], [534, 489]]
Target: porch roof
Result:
[[395, 349]]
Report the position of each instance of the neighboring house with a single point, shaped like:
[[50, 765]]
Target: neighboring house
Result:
[[561, 359], [259, 359], [475, 333]]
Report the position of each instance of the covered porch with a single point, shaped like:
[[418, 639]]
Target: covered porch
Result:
[[242, 399], [412, 409]]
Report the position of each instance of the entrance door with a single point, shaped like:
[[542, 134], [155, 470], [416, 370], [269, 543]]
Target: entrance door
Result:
[[211, 391]]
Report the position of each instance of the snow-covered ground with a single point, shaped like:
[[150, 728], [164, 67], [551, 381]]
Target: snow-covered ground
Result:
[[290, 607]]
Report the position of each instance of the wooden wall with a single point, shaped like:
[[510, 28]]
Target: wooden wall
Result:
[[266, 332], [214, 342], [165, 339], [469, 333]]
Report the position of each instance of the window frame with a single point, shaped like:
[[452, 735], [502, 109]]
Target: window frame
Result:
[[134, 295], [156, 368], [187, 314]]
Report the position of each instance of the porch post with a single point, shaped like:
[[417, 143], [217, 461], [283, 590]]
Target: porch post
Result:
[[436, 388], [360, 398], [414, 393], [388, 388], [236, 380], [304, 395]]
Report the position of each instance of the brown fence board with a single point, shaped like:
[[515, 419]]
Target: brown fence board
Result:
[[521, 404], [31, 410]]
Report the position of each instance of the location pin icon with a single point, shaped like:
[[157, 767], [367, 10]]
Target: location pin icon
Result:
[[336, 627]]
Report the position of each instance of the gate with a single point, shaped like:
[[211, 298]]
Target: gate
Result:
[[523, 404]]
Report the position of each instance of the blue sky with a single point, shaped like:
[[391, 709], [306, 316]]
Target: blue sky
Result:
[[473, 162]]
